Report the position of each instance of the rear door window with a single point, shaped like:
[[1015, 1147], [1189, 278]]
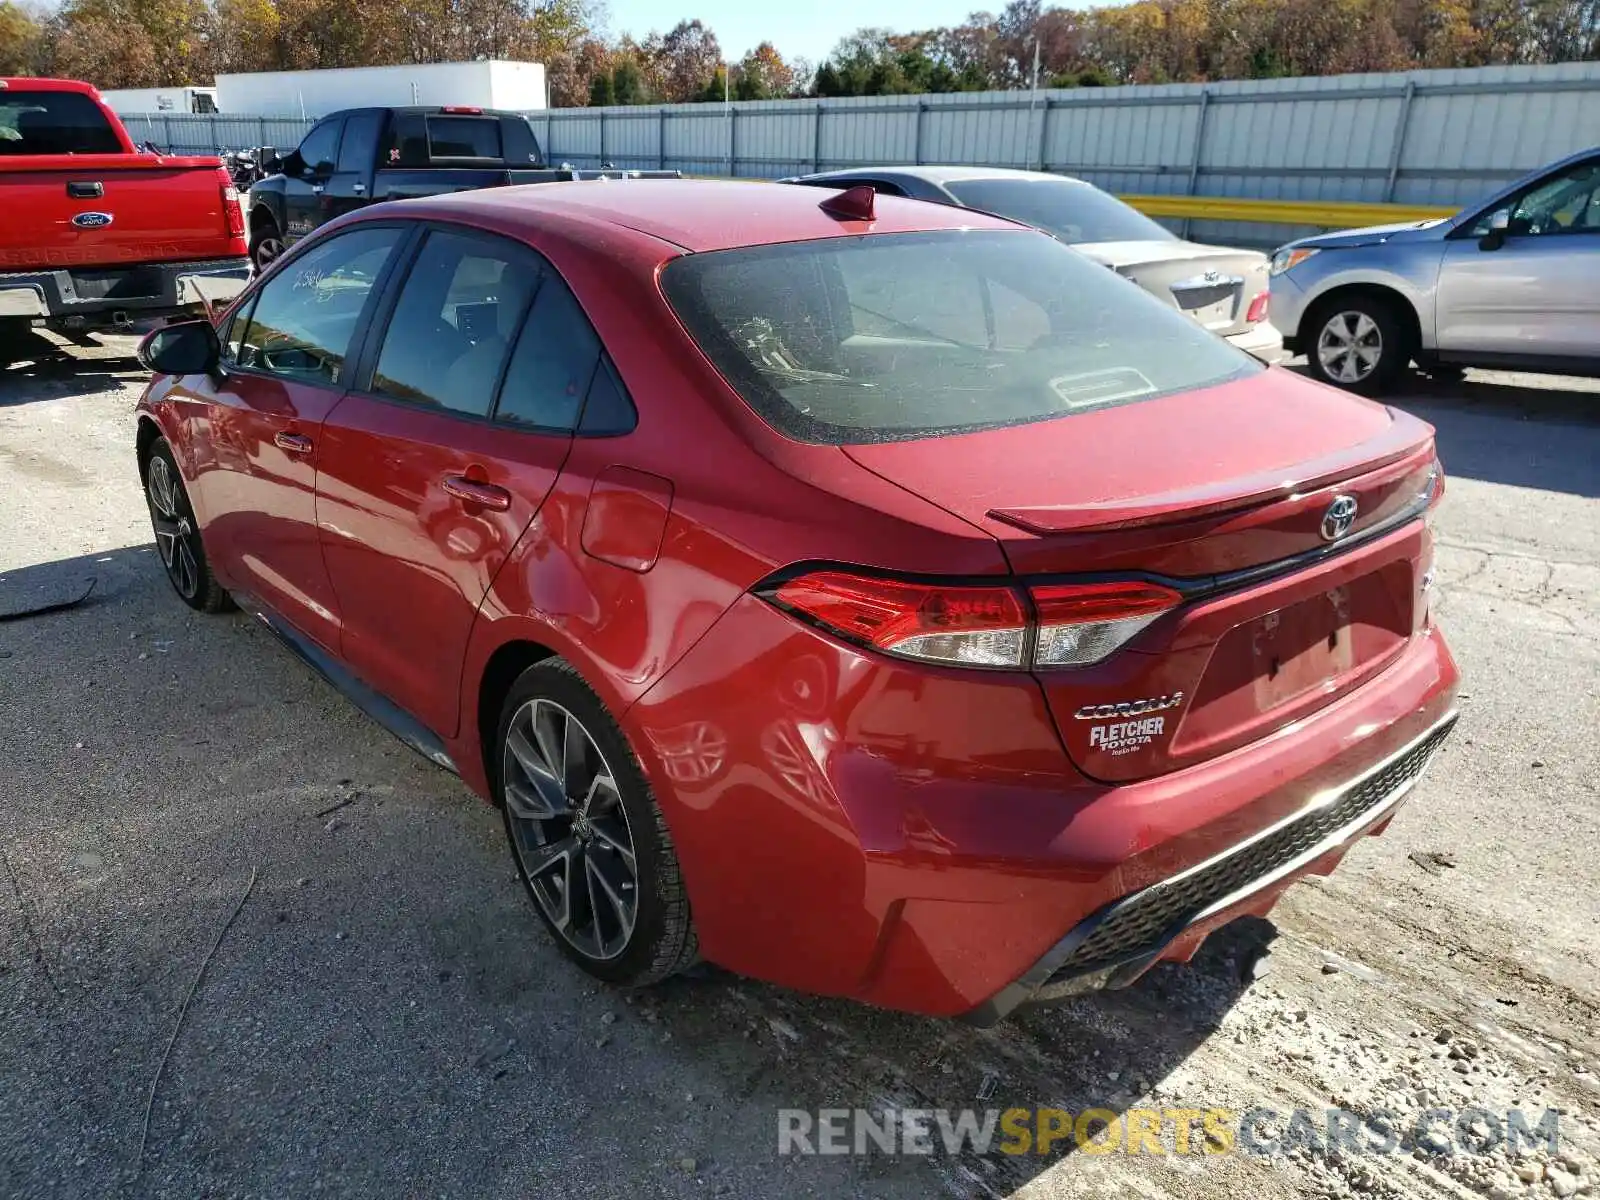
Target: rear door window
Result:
[[54, 123], [554, 362], [895, 336], [360, 143], [459, 310]]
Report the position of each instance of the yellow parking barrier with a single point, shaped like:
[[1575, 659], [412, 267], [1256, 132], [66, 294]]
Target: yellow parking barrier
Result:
[[1325, 214]]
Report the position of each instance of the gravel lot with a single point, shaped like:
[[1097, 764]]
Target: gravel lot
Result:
[[384, 1017]]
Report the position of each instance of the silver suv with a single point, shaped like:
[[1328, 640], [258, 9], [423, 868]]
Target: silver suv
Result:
[[1512, 282]]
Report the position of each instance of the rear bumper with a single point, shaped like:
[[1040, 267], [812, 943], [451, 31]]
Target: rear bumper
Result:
[[1113, 947], [1261, 340], [120, 296], [1287, 309], [918, 839]]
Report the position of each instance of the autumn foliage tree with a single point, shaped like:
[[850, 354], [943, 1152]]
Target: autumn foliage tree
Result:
[[1161, 41], [149, 43]]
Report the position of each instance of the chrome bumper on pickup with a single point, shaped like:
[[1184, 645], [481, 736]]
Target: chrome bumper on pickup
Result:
[[112, 296]]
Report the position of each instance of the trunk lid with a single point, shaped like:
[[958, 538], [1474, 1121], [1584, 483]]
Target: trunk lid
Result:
[[1224, 491], [161, 210], [1212, 284]]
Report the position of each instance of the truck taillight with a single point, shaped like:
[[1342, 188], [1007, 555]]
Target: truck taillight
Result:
[[965, 625], [232, 208]]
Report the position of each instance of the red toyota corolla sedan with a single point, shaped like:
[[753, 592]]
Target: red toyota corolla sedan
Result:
[[869, 596]]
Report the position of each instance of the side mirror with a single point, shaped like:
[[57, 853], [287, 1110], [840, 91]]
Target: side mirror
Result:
[[1496, 237], [273, 165], [184, 348]]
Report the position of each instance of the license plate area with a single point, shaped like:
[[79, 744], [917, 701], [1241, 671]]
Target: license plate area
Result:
[[1283, 664], [1212, 313], [1300, 648]]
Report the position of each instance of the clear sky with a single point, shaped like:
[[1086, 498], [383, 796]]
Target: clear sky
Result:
[[804, 28]]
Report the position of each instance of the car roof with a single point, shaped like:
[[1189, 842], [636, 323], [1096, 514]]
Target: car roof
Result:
[[696, 214], [426, 110], [30, 84], [937, 174]]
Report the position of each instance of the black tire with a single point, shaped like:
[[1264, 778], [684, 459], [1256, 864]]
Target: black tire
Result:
[[14, 336], [178, 540], [1377, 339], [266, 243], [661, 941]]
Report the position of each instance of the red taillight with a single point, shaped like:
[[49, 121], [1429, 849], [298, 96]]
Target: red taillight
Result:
[[232, 210], [1081, 623], [1433, 487], [978, 626], [1258, 308], [462, 108]]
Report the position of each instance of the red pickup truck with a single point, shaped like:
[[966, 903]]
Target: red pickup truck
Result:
[[98, 234]]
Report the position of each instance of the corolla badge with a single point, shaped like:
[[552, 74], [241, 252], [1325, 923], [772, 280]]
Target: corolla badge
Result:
[[1128, 708], [1341, 515], [92, 220]]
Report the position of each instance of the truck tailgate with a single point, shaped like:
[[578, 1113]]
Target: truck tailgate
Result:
[[107, 209]]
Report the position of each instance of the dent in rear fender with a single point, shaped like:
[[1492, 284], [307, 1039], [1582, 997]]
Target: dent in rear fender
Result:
[[798, 773], [621, 627]]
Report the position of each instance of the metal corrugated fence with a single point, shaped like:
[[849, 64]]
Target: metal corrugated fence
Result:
[[1419, 138]]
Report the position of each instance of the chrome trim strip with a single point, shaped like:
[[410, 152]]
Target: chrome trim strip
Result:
[[1199, 283], [1338, 837], [24, 301]]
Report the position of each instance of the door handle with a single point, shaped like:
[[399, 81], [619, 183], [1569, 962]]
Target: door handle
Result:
[[485, 495], [292, 443]]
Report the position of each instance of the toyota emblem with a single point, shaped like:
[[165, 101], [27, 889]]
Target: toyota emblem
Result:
[[1341, 515]]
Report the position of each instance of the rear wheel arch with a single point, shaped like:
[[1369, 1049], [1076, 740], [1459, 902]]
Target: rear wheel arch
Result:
[[504, 667]]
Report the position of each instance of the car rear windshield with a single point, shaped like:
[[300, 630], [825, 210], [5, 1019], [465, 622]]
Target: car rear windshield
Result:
[[1073, 211], [464, 137], [54, 123], [891, 337]]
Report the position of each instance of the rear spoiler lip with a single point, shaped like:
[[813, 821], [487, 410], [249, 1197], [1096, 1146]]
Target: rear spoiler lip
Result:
[[1405, 438]]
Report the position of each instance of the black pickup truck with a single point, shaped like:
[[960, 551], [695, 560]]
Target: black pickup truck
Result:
[[365, 155]]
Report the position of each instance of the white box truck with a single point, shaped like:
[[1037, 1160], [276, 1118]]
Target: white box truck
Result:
[[497, 83], [125, 101]]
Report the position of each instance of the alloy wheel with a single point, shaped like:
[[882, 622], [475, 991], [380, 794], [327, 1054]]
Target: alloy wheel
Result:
[[1350, 347], [570, 830], [176, 536], [267, 249]]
